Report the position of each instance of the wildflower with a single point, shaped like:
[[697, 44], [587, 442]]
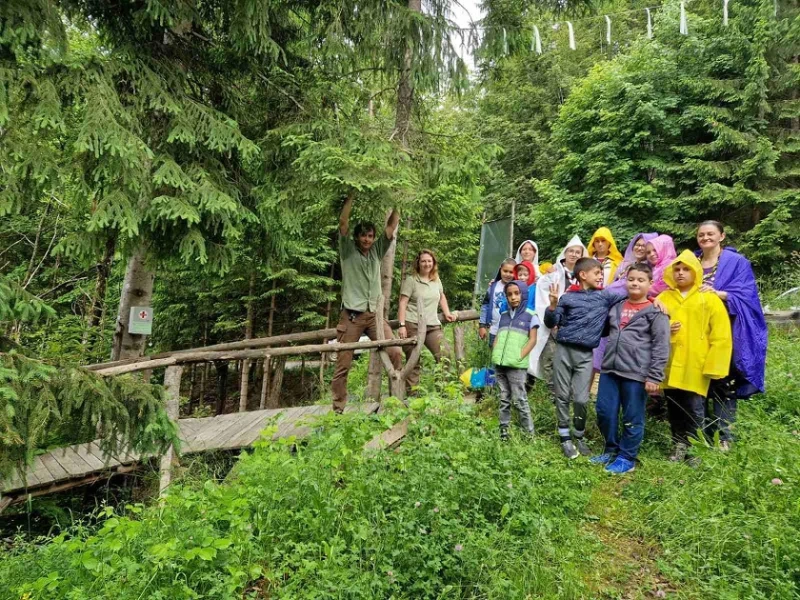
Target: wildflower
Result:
[[422, 530], [777, 481], [510, 485], [451, 477], [417, 504], [661, 594], [436, 510], [458, 548]]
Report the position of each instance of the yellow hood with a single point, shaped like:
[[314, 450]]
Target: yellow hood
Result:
[[613, 251], [688, 258]]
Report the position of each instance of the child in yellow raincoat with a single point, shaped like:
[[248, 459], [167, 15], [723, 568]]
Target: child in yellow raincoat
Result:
[[701, 347], [603, 249]]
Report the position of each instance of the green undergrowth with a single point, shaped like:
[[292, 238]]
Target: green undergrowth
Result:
[[731, 528], [454, 513]]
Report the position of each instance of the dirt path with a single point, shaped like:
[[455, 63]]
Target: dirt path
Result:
[[627, 568]]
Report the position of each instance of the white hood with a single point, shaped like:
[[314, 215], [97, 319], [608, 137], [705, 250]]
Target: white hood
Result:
[[535, 259], [543, 301]]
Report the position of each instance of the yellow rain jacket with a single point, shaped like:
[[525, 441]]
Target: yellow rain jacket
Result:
[[614, 255], [701, 349]]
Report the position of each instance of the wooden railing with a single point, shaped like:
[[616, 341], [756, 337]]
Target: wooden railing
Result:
[[268, 348]]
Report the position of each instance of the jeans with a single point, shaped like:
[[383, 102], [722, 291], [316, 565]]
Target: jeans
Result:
[[512, 391], [686, 412], [617, 392], [723, 405], [572, 376]]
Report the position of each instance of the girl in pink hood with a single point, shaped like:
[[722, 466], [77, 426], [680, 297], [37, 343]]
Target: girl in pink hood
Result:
[[660, 253]]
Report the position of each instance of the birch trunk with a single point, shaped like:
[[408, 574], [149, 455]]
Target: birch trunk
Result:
[[137, 290]]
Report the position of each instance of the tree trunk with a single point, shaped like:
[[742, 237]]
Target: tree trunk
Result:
[[267, 369], [274, 399], [101, 282], [222, 385], [272, 309], [244, 388], [324, 358], [192, 381], [137, 290], [204, 375], [404, 262], [97, 308]]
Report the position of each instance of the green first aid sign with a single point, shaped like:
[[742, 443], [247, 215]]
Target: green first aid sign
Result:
[[141, 321]]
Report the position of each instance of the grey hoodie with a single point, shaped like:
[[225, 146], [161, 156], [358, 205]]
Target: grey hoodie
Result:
[[639, 351]]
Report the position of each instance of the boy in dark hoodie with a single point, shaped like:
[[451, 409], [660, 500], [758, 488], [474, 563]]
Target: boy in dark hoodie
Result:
[[516, 337], [580, 316], [633, 367]]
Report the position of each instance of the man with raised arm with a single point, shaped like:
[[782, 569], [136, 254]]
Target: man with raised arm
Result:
[[360, 257]]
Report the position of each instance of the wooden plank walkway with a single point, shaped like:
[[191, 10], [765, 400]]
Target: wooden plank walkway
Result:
[[225, 432]]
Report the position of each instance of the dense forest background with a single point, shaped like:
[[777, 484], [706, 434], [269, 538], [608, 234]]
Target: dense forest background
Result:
[[201, 150]]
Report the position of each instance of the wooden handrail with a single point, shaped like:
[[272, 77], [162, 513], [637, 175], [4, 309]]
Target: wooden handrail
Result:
[[265, 342], [200, 356]]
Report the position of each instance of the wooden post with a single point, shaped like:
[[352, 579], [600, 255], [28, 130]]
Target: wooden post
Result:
[[460, 348], [413, 358], [374, 372], [397, 378], [244, 386], [172, 382]]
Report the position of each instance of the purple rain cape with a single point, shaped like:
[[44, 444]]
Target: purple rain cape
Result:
[[735, 276]]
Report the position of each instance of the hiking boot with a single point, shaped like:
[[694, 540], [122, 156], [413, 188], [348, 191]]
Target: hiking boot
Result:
[[504, 437], [569, 450], [621, 465], [582, 447], [603, 459], [678, 452], [725, 446]]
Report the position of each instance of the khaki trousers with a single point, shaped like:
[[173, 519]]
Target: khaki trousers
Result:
[[433, 342], [351, 331]]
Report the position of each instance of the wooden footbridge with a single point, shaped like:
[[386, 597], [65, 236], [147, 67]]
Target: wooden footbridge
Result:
[[82, 464]]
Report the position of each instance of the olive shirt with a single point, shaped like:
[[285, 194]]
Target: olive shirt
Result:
[[361, 274], [424, 293]]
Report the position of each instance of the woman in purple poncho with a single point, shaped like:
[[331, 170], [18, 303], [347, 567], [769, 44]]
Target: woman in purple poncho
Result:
[[730, 275]]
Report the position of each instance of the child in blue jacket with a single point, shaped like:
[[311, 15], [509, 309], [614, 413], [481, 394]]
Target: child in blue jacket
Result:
[[494, 299]]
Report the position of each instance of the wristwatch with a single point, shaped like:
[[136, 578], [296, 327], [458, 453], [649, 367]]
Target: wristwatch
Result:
[[402, 323]]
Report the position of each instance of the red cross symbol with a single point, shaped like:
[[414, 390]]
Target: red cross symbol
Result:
[[143, 315]]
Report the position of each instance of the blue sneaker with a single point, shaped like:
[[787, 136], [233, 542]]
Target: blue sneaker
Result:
[[621, 465], [603, 459]]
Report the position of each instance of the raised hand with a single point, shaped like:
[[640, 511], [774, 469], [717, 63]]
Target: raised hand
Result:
[[553, 295]]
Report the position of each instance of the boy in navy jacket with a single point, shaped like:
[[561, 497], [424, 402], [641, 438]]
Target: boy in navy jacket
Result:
[[580, 316]]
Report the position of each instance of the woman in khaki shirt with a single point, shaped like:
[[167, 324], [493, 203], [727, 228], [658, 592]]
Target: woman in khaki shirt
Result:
[[422, 293]]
